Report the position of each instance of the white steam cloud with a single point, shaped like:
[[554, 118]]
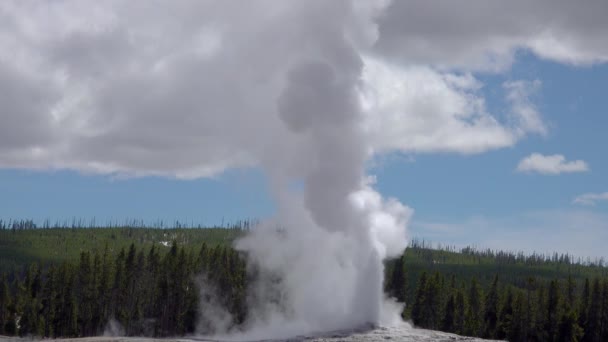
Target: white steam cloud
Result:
[[336, 231]]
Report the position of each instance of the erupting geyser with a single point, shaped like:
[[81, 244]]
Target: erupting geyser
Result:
[[322, 270]]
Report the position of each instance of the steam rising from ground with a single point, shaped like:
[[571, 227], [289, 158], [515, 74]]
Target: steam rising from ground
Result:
[[322, 269], [331, 279]]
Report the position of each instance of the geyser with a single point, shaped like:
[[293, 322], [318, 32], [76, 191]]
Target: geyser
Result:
[[322, 271]]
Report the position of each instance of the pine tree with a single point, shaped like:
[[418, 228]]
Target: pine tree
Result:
[[203, 259], [66, 319], [604, 316], [569, 330], [49, 302], [119, 292], [85, 295], [5, 303], [139, 296], [474, 313], [518, 330], [151, 279], [491, 310], [448, 322], [571, 292], [534, 314], [96, 304], [505, 318], [593, 326], [538, 330], [420, 301], [553, 314], [461, 308], [434, 302], [583, 311], [398, 281], [128, 290], [23, 307], [104, 297]]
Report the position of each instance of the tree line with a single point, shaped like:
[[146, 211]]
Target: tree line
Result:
[[153, 290], [148, 293], [555, 310]]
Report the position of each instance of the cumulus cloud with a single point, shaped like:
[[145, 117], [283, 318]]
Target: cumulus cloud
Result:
[[419, 109], [551, 164], [591, 198], [185, 90], [484, 35]]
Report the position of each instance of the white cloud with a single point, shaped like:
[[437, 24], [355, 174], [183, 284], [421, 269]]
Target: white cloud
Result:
[[523, 111], [551, 165], [471, 36], [591, 198], [420, 109], [191, 88], [188, 90]]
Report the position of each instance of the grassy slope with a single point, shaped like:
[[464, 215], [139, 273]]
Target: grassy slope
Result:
[[65, 244]]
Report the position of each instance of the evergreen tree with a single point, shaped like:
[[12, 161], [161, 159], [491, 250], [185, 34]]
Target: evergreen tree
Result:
[[96, 302], [434, 302], [553, 315], [104, 297], [418, 311], [151, 279], [5, 303], [85, 295], [518, 329], [119, 289], [569, 330], [583, 311], [449, 319], [49, 303], [21, 305], [474, 313], [66, 319], [604, 316], [460, 311], [491, 310], [129, 290], [594, 316], [505, 318], [571, 292], [535, 311], [398, 280], [537, 327]]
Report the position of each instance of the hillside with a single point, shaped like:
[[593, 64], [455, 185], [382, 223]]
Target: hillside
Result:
[[22, 244], [52, 278], [513, 268]]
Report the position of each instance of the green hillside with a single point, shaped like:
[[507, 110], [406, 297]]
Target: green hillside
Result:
[[513, 268], [64, 282], [22, 246]]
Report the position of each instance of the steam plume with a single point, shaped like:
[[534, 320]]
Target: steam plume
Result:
[[336, 229]]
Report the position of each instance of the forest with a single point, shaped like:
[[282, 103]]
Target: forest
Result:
[[72, 280], [529, 298]]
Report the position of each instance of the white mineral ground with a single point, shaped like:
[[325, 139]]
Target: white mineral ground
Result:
[[395, 333]]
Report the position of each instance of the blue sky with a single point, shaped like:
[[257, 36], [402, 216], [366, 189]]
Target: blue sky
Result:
[[467, 129]]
